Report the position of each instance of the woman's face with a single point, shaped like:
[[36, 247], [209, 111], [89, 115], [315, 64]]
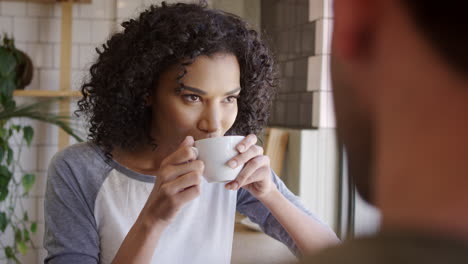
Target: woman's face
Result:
[[206, 106]]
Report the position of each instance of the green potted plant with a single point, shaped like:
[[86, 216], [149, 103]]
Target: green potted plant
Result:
[[16, 73]]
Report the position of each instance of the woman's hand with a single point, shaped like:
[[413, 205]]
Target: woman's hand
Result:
[[177, 182], [256, 174]]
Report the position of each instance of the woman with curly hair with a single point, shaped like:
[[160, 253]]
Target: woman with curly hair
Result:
[[134, 193]]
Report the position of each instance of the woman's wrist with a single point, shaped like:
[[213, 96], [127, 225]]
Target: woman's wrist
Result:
[[148, 223], [270, 197]]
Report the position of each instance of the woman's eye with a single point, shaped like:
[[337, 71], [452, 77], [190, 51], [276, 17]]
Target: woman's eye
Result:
[[231, 99], [192, 97]]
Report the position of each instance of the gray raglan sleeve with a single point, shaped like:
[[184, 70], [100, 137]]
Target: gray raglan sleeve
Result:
[[251, 207], [70, 229]]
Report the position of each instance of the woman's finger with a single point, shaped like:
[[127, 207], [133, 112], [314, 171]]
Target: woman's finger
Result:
[[253, 165], [171, 172], [243, 158], [258, 175], [183, 182], [246, 143], [185, 152]]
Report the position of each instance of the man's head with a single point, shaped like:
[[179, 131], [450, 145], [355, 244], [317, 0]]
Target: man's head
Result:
[[391, 61]]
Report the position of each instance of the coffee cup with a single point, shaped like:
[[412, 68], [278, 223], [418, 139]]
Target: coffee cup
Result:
[[215, 154]]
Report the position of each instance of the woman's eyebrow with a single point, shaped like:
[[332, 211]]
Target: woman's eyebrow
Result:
[[192, 89], [201, 92], [233, 91]]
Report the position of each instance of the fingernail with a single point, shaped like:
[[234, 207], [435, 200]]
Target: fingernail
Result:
[[235, 186], [241, 148], [232, 163]]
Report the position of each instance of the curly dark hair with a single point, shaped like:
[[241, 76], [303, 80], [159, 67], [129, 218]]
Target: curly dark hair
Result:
[[130, 63]]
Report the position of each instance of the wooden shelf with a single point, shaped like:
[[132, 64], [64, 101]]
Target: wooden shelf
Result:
[[46, 93]]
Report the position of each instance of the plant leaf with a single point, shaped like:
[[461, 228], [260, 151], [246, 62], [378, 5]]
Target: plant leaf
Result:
[[8, 60], [26, 235], [9, 156], [2, 153], [9, 252], [3, 194], [28, 181], [26, 217], [28, 134], [18, 235], [5, 177], [34, 227], [2, 132], [23, 249], [17, 128], [7, 86], [3, 221]]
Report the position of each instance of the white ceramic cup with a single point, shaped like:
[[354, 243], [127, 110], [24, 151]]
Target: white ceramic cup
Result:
[[215, 153]]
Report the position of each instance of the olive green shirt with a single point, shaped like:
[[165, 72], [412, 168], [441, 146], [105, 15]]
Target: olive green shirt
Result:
[[394, 248]]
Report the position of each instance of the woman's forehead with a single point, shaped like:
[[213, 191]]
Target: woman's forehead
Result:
[[219, 73]]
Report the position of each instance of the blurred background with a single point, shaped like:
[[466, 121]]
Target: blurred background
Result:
[[299, 32]]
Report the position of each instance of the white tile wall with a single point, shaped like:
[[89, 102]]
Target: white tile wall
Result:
[[49, 79], [78, 78], [320, 9], [11, 8], [39, 187], [128, 8], [26, 29], [39, 9], [49, 29], [323, 36], [81, 31], [318, 73], [35, 81], [46, 134], [75, 59], [101, 30], [87, 55], [46, 56], [47, 152], [6, 25], [30, 205], [98, 9], [42, 55]]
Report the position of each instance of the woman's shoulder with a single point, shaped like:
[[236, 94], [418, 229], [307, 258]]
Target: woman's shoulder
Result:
[[81, 151], [85, 156]]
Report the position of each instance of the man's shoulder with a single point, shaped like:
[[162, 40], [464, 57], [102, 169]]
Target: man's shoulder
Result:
[[395, 248]]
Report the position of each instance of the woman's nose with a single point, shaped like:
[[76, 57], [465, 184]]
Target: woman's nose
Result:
[[210, 121]]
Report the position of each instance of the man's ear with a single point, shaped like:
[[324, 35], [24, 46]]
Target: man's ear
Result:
[[353, 28]]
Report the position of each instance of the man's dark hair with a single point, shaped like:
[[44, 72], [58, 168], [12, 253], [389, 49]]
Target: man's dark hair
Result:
[[444, 24], [131, 62]]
